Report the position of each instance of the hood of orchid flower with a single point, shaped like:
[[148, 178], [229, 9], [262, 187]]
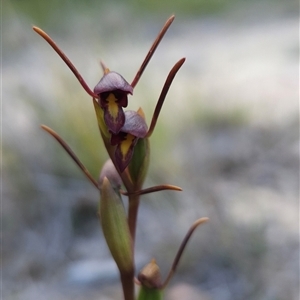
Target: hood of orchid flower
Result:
[[135, 124], [112, 81]]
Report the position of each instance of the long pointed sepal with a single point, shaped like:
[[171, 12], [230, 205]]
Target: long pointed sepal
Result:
[[49, 40], [152, 50], [163, 94], [71, 154]]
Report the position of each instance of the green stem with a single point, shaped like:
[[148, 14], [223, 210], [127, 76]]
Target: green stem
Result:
[[134, 201], [150, 294]]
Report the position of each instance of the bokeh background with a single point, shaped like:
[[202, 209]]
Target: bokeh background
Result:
[[228, 135]]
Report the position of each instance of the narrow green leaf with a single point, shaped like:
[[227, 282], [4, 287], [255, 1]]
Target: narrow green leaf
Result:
[[138, 166], [115, 227]]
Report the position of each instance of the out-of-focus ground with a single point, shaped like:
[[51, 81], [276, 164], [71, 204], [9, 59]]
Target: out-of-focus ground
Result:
[[228, 135]]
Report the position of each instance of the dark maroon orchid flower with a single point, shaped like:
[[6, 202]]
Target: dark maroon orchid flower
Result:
[[134, 128], [112, 90]]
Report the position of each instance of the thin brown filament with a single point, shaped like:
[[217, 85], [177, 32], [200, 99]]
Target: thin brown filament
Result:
[[72, 154], [152, 50], [181, 249], [163, 95], [49, 40], [153, 189]]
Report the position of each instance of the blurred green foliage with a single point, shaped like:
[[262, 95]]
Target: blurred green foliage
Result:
[[44, 11], [55, 11]]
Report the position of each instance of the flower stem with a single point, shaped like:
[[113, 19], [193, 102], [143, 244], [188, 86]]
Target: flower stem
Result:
[[134, 201], [127, 280]]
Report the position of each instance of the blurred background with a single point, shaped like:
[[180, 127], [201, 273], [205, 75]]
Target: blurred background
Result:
[[228, 134]]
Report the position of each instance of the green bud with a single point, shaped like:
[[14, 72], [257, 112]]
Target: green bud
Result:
[[115, 227], [109, 171]]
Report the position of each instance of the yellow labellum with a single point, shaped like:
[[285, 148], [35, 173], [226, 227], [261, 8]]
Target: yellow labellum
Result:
[[112, 105], [126, 144]]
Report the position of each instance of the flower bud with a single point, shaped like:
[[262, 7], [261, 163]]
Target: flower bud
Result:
[[150, 276], [150, 280], [109, 171]]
